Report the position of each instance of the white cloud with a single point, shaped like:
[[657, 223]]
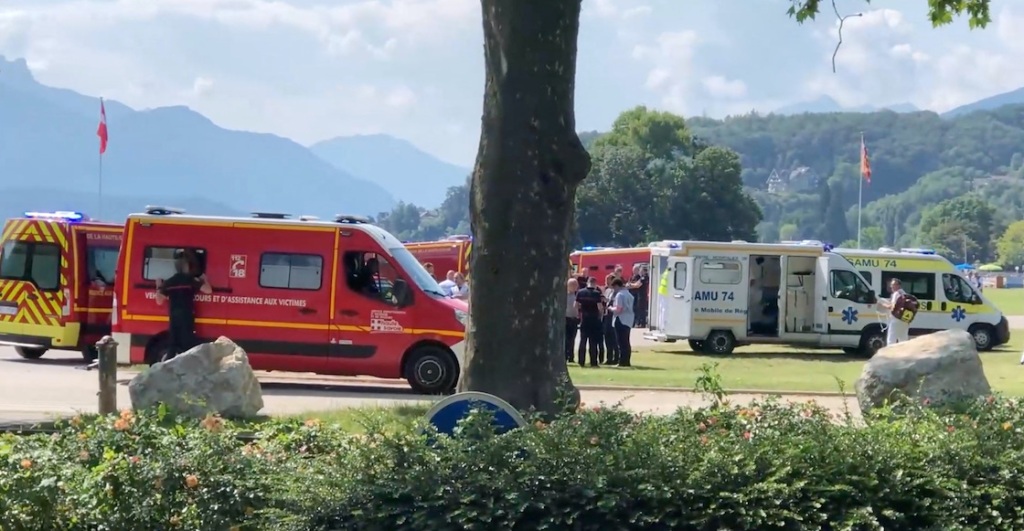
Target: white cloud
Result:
[[201, 86], [616, 9], [720, 87]]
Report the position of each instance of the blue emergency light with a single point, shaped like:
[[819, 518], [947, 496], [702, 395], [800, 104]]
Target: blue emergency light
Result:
[[64, 215], [918, 251], [589, 248], [828, 247]]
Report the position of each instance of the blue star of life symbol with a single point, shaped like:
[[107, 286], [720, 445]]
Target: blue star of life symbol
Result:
[[959, 314], [850, 315]]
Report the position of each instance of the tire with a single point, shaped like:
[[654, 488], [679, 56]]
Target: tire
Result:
[[30, 353], [853, 351], [156, 349], [90, 354], [871, 341], [984, 337], [720, 342], [432, 370]]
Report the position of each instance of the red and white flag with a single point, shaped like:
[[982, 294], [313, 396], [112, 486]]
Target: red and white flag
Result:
[[101, 131], [865, 161]]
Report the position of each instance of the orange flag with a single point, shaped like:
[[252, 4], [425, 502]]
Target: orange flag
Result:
[[865, 161]]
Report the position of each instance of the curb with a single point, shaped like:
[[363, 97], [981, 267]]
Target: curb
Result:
[[780, 392]]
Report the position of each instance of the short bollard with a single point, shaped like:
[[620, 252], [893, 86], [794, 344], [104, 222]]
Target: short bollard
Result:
[[106, 350]]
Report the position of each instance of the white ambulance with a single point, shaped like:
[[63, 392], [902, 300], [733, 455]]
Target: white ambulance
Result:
[[948, 300], [720, 295]]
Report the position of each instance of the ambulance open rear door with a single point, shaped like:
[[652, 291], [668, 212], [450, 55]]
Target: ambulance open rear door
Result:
[[676, 313]]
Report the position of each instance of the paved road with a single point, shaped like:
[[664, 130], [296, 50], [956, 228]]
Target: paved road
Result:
[[31, 391]]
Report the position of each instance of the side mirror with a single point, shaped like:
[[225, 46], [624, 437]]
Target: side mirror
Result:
[[403, 295], [872, 297], [975, 298]]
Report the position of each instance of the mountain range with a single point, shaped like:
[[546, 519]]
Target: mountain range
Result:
[[49, 159], [825, 104]]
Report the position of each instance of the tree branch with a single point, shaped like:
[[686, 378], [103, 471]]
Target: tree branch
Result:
[[842, 20]]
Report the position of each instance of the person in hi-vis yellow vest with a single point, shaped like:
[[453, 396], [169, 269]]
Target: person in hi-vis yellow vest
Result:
[[663, 297]]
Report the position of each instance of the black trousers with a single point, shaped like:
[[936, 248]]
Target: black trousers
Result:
[[571, 325], [611, 344], [181, 334], [590, 336], [622, 336], [640, 311]]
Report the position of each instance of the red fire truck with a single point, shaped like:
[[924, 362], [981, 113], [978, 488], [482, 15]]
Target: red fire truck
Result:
[[599, 261], [449, 254], [56, 282], [340, 297]]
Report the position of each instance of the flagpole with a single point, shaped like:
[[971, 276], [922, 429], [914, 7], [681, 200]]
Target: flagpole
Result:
[[100, 174], [860, 191]]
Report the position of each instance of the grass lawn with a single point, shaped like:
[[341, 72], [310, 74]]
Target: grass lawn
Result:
[[1009, 301], [775, 368]]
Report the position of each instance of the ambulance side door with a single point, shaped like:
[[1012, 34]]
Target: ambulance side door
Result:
[[676, 313]]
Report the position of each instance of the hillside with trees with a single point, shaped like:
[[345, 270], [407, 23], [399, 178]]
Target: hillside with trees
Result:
[[952, 184]]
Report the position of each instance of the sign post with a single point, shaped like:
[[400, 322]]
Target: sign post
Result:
[[446, 414]]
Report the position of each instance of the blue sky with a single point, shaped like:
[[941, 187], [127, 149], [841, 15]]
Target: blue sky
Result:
[[315, 69]]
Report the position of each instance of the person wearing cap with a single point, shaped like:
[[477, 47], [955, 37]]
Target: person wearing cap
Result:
[[179, 291]]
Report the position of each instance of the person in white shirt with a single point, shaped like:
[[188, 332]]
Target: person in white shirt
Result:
[[461, 288], [897, 329], [448, 284]]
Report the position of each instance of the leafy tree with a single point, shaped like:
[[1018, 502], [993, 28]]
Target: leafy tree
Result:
[[789, 232], [870, 238], [963, 221], [953, 239], [1010, 247], [660, 134]]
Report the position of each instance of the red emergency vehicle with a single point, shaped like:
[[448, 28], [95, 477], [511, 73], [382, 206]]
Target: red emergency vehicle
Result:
[[56, 282], [449, 254], [340, 297], [599, 261]]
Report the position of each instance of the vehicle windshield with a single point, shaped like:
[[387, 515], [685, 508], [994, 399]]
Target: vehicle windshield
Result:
[[418, 275], [844, 263]]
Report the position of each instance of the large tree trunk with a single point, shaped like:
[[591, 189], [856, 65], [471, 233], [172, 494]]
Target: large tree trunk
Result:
[[522, 203]]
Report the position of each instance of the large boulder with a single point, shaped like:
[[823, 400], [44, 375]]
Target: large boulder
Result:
[[939, 367], [210, 378]]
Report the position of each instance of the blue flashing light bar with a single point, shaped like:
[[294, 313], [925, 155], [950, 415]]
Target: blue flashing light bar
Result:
[[64, 215], [918, 251]]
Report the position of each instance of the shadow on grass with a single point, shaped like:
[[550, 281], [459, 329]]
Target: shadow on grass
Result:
[[340, 390], [739, 355]]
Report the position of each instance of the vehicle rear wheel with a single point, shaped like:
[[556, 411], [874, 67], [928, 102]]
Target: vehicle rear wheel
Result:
[[720, 342], [696, 345], [983, 336], [432, 370], [157, 349], [30, 353], [89, 353]]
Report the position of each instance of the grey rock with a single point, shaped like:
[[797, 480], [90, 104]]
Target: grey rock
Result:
[[939, 367], [210, 378]]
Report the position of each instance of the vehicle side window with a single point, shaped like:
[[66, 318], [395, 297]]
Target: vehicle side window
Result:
[[158, 262], [371, 275], [37, 262], [720, 272], [291, 271], [679, 276], [101, 263], [920, 285], [957, 289], [867, 276], [846, 285]]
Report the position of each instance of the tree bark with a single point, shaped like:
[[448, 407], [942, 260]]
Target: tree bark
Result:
[[522, 203]]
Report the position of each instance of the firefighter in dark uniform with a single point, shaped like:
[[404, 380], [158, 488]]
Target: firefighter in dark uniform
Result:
[[180, 292], [590, 303]]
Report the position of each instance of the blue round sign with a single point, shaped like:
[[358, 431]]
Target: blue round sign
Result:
[[446, 414]]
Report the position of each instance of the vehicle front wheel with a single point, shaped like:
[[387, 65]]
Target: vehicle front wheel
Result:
[[432, 370], [983, 337], [30, 353], [89, 353], [871, 342], [157, 350]]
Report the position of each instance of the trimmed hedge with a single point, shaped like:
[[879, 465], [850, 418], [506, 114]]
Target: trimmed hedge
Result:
[[763, 466]]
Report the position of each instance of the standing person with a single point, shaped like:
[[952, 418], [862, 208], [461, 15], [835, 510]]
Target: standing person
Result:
[[572, 318], [611, 346], [429, 266], [180, 291], [643, 292], [663, 296], [622, 309], [590, 304], [448, 284], [897, 329]]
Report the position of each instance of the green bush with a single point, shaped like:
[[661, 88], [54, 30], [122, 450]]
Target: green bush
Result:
[[767, 465]]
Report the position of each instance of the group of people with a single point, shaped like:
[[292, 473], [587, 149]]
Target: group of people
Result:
[[454, 285], [603, 316]]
